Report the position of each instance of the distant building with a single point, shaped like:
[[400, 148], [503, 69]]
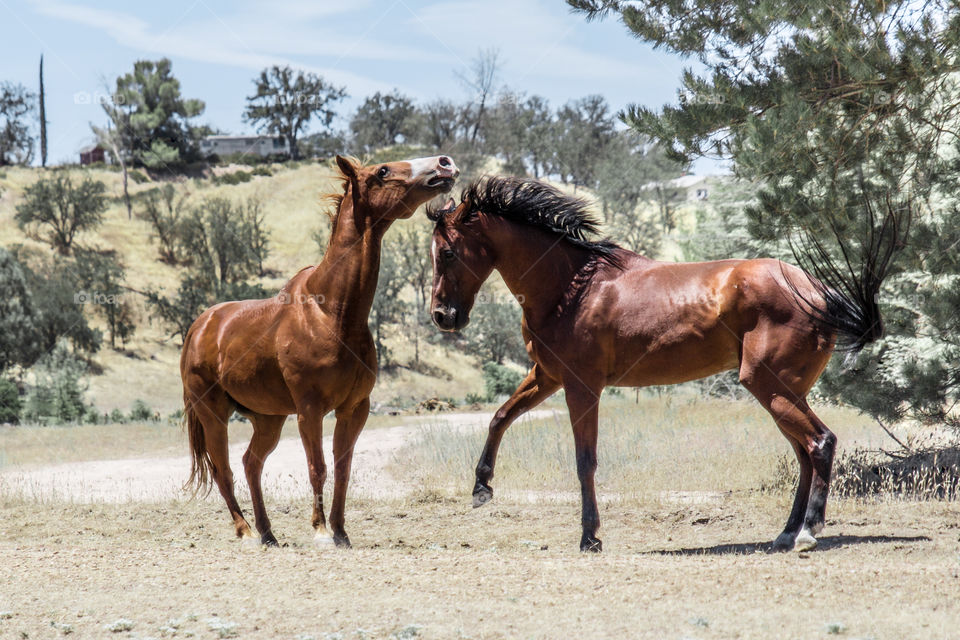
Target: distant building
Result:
[[687, 188], [93, 153], [262, 146]]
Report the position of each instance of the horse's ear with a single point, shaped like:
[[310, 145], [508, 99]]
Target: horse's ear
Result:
[[347, 168]]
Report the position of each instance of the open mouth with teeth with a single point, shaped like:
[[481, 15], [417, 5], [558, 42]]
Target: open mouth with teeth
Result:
[[437, 182]]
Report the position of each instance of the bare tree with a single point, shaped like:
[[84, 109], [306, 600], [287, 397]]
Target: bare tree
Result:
[[481, 81]]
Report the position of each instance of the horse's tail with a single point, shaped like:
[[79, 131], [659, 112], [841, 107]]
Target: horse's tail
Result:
[[200, 464], [849, 287]]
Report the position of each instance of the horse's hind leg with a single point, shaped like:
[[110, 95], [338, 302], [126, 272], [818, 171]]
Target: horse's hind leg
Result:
[[266, 434], [214, 409], [534, 389], [821, 457], [783, 395]]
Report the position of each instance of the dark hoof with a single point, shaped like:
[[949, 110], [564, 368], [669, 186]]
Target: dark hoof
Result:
[[591, 545], [268, 540], [482, 494], [784, 542], [342, 541]]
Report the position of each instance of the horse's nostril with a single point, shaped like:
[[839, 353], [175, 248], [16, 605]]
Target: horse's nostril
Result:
[[438, 317], [444, 161]]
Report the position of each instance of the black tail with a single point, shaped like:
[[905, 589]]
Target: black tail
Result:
[[851, 285]]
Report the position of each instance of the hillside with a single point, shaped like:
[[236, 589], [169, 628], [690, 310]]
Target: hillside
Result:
[[148, 369]]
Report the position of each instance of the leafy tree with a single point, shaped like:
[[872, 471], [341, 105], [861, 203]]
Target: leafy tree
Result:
[[384, 119], [10, 403], [56, 294], [16, 141], [494, 330], [101, 275], [223, 245], [57, 392], [286, 100], [835, 109], [499, 380], [152, 118], [387, 305], [62, 209], [585, 128], [20, 340], [440, 122], [164, 209]]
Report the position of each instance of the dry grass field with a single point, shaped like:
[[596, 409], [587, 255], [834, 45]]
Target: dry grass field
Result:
[[691, 492]]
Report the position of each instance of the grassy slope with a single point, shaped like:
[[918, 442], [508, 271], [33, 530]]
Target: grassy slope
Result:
[[293, 210]]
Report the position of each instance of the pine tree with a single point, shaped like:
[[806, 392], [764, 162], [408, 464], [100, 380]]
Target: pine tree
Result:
[[834, 108]]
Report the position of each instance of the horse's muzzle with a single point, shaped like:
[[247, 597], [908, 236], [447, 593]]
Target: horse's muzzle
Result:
[[447, 318]]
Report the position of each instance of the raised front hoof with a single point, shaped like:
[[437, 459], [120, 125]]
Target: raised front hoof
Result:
[[481, 495], [591, 545]]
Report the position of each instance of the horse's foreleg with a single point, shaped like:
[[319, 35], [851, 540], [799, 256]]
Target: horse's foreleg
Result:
[[349, 425], [582, 403], [266, 434], [310, 423], [534, 389]]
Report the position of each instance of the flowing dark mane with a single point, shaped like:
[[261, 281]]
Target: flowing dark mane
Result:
[[540, 205]]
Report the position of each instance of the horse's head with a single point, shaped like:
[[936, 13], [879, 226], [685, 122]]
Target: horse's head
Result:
[[462, 260], [394, 190]]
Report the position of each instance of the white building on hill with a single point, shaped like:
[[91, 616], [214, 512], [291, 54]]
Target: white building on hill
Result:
[[248, 145]]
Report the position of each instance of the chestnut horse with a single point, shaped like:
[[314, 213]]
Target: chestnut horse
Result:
[[306, 351], [598, 315]]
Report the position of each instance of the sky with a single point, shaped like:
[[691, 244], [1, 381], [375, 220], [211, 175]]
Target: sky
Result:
[[217, 48]]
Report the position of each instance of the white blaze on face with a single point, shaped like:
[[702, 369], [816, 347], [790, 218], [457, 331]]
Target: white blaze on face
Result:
[[420, 166], [433, 250]]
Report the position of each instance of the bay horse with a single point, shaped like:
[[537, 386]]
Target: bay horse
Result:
[[306, 351], [598, 315]]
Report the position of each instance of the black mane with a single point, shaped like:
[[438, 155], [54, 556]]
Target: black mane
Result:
[[540, 205]]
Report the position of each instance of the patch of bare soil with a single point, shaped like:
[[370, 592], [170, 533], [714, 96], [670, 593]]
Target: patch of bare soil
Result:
[[436, 568], [285, 472]]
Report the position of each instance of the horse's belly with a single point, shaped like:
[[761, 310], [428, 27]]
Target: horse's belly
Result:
[[666, 359]]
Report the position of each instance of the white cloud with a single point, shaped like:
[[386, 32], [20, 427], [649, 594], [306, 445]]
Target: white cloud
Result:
[[534, 41], [248, 38]]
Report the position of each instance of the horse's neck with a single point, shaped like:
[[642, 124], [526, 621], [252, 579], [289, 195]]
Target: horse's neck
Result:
[[346, 278], [536, 267]]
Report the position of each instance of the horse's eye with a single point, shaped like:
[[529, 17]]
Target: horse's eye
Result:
[[449, 255], [383, 172]]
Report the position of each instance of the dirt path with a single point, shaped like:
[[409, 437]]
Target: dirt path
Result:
[[285, 475]]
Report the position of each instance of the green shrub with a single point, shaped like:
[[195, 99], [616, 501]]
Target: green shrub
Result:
[[499, 380], [234, 178], [118, 417], [56, 395], [473, 398], [137, 176], [10, 404], [141, 411], [261, 170]]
